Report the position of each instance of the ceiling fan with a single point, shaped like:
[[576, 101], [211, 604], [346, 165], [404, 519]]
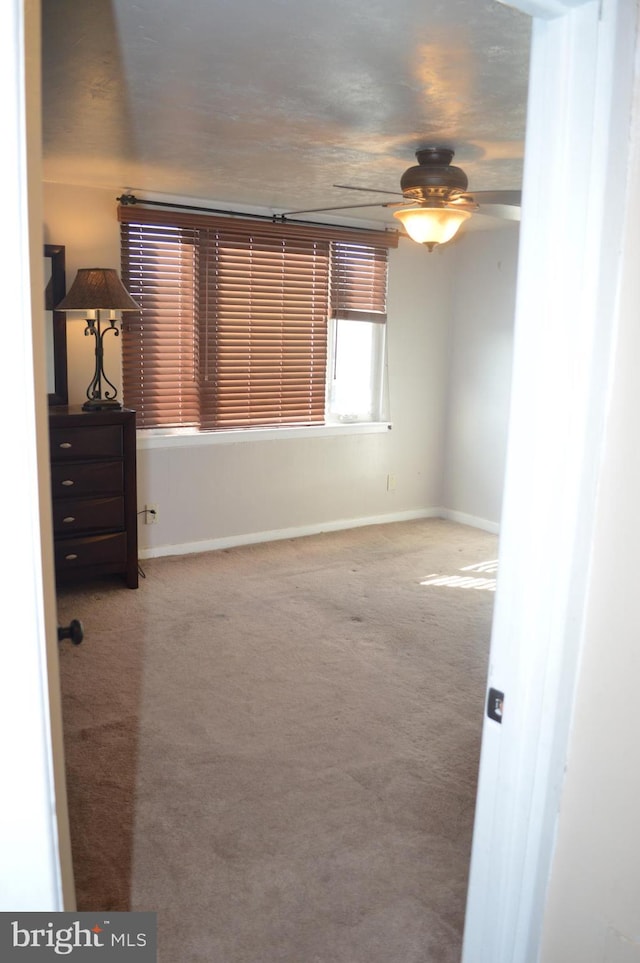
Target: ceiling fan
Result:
[[435, 201]]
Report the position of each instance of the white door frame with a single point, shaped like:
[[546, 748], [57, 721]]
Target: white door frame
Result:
[[579, 110], [35, 869]]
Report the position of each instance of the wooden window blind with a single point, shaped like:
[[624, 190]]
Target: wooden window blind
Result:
[[263, 338], [359, 282], [232, 330], [159, 351]]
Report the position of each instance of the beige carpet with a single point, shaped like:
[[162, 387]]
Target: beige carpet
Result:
[[276, 747]]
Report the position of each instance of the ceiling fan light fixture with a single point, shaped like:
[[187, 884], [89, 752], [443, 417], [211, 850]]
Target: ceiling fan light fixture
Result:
[[431, 225]]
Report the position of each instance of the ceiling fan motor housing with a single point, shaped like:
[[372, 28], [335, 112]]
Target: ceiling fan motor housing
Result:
[[433, 178]]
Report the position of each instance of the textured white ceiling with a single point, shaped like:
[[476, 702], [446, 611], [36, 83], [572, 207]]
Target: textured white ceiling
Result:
[[269, 103]]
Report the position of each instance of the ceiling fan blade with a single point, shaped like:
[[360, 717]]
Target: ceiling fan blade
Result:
[[369, 190], [507, 212], [512, 198]]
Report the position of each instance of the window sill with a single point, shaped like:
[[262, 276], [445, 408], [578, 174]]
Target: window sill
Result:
[[186, 437]]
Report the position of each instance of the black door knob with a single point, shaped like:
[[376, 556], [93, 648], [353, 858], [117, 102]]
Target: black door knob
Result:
[[73, 631]]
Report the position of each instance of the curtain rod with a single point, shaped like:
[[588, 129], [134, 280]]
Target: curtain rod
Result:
[[130, 199]]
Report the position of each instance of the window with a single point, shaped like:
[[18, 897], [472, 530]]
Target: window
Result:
[[245, 324], [357, 329]]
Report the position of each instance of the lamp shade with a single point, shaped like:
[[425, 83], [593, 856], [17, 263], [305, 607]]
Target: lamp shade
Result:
[[97, 288], [431, 225]]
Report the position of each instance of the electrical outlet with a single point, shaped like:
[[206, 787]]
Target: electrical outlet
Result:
[[391, 483], [150, 514]]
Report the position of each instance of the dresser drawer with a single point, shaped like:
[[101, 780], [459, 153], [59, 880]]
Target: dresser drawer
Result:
[[86, 478], [101, 441], [72, 554], [87, 515]]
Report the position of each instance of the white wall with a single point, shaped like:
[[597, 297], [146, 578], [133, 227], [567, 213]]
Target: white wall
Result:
[[243, 490], [481, 349]]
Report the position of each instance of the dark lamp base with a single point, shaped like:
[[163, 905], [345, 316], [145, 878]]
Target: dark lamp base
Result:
[[101, 404]]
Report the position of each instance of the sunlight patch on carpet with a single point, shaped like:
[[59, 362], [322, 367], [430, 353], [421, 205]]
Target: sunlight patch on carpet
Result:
[[467, 581]]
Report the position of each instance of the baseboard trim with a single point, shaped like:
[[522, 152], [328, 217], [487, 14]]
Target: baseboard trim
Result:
[[463, 519], [253, 538]]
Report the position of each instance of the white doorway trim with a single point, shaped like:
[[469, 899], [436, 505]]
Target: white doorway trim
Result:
[[578, 121], [35, 870]]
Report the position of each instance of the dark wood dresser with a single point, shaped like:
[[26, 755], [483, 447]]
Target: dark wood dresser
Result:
[[93, 484]]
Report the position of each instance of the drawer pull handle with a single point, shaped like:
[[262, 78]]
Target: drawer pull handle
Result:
[[65, 444], [70, 558], [67, 482], [69, 519]]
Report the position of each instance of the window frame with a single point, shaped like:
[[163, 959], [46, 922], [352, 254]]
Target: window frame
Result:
[[377, 373]]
